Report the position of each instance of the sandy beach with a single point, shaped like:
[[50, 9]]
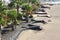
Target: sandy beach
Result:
[[51, 30], [0, 35]]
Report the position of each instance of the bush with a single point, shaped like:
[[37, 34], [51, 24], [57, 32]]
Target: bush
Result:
[[12, 14], [27, 7], [19, 16]]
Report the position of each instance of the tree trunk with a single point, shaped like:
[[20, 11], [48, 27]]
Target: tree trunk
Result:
[[26, 17], [17, 8], [0, 27]]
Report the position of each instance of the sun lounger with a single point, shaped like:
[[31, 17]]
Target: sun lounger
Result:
[[39, 12], [7, 28], [38, 21], [44, 6], [34, 27]]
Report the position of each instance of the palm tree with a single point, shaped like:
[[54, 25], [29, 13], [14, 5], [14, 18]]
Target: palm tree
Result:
[[27, 9], [2, 14], [19, 2], [16, 3]]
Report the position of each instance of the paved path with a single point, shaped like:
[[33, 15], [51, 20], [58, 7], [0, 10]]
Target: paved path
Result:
[[51, 31]]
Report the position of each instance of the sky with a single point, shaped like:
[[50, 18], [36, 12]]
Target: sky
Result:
[[6, 2]]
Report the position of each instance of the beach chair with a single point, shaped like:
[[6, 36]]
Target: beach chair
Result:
[[9, 27], [34, 27], [38, 21]]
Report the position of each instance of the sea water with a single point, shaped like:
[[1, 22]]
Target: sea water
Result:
[[50, 1]]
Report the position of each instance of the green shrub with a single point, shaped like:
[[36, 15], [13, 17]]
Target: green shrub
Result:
[[27, 7], [12, 14], [19, 16]]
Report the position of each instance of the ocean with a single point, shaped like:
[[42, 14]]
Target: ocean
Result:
[[51, 1]]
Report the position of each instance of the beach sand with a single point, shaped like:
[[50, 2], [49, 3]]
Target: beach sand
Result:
[[0, 35], [51, 30]]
